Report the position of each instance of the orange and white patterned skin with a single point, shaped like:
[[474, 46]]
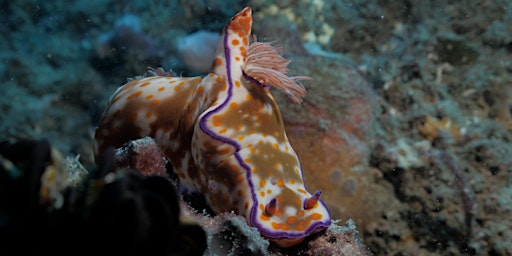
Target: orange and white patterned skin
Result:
[[224, 135]]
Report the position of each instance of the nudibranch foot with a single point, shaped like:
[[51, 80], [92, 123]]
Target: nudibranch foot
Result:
[[224, 134]]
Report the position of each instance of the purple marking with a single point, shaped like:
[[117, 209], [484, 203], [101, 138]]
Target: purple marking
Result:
[[202, 122], [204, 128]]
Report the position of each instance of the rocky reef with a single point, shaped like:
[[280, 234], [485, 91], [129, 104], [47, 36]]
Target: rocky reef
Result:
[[406, 126]]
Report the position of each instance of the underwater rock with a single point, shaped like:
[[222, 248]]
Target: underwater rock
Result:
[[197, 50], [338, 240], [142, 155], [116, 211], [229, 234], [23, 217], [126, 49], [140, 215], [127, 36]]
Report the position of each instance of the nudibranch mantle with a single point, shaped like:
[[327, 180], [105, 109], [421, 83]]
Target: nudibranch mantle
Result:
[[224, 135]]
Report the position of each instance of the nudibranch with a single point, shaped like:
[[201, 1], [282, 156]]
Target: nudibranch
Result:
[[224, 135]]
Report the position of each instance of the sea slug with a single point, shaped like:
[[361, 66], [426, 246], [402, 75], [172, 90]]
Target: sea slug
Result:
[[224, 134]]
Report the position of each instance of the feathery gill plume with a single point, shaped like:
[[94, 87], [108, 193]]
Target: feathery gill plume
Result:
[[266, 66]]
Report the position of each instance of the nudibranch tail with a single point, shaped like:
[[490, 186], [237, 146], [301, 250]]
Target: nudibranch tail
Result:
[[265, 65]]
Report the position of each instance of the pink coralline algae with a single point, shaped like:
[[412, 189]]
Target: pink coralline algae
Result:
[[142, 155]]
